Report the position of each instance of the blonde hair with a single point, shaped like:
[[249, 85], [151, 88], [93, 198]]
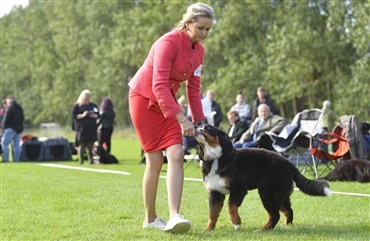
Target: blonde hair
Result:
[[82, 98], [193, 12]]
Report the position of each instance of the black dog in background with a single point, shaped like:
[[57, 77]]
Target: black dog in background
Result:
[[104, 156], [351, 170]]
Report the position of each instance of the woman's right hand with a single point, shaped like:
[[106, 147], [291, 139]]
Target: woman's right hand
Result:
[[187, 128]]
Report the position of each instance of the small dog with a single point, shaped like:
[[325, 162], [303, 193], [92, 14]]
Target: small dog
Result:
[[104, 156], [351, 170], [230, 171]]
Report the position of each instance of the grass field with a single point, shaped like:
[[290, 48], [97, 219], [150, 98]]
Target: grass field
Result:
[[48, 203]]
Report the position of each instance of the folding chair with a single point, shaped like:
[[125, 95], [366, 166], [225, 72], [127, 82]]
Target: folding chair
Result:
[[347, 142], [331, 160], [351, 128], [295, 139]]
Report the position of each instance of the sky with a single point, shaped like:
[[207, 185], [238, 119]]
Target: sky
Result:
[[7, 5]]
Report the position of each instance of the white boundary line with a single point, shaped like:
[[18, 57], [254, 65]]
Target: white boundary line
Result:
[[164, 177], [84, 168]]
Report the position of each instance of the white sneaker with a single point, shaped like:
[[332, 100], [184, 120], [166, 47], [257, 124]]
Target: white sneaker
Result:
[[158, 224], [178, 224]]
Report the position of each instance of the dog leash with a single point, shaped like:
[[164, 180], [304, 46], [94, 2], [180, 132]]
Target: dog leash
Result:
[[163, 170]]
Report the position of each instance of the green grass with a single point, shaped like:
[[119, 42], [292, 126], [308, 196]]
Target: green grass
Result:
[[46, 203]]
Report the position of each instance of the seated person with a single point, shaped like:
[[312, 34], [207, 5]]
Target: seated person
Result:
[[237, 127], [265, 121]]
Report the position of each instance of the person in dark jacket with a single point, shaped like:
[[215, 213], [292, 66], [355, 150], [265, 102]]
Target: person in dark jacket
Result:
[[13, 127], [262, 98], [106, 122], [237, 127], [85, 114]]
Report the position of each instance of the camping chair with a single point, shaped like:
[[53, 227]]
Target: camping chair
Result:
[[347, 142], [340, 148], [295, 139], [351, 128]]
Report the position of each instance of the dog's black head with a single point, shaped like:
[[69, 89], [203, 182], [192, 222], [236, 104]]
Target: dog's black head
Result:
[[213, 142]]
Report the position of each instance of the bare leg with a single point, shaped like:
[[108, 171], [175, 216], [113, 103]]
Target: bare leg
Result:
[[175, 177], [154, 162]]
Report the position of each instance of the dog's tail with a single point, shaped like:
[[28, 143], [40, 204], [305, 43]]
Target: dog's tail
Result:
[[311, 187]]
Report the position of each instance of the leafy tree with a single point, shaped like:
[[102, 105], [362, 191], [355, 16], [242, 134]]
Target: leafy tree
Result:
[[303, 52]]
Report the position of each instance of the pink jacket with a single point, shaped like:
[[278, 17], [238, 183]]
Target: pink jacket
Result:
[[172, 59]]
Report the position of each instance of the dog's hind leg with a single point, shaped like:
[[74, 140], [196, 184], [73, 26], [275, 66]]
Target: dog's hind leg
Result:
[[272, 206], [287, 211], [216, 202]]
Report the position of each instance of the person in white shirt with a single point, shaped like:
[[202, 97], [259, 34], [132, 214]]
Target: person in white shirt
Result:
[[241, 107]]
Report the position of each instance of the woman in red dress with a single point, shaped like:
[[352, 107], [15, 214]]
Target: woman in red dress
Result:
[[174, 58]]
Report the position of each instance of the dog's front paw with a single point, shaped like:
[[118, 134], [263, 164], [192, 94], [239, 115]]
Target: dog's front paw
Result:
[[210, 227], [237, 226]]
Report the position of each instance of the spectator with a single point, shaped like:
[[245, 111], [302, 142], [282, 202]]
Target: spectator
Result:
[[265, 121], [216, 112], [85, 113], [241, 107], [13, 127], [365, 130], [329, 117], [237, 127], [263, 98], [2, 112], [183, 104], [106, 122]]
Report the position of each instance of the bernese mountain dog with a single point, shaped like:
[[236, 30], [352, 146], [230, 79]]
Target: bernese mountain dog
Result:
[[230, 171], [351, 171]]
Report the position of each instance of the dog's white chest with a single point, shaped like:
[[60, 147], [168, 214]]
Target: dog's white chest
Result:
[[214, 182]]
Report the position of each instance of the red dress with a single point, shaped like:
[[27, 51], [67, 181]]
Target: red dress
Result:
[[172, 59]]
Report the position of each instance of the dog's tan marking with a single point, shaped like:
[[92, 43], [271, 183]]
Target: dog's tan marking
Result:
[[227, 182], [212, 140], [213, 215], [234, 215], [287, 217], [268, 224]]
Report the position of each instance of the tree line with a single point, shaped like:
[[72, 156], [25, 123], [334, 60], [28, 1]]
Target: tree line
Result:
[[302, 52]]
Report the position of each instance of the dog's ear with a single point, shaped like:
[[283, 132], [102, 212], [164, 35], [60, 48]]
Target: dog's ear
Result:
[[225, 141]]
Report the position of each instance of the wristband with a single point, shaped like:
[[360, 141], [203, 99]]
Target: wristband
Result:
[[183, 120]]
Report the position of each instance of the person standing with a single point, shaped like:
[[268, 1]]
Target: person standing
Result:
[[85, 113], [13, 127], [329, 117], [106, 122], [2, 112], [241, 107], [262, 98], [328, 122], [159, 121], [216, 112]]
